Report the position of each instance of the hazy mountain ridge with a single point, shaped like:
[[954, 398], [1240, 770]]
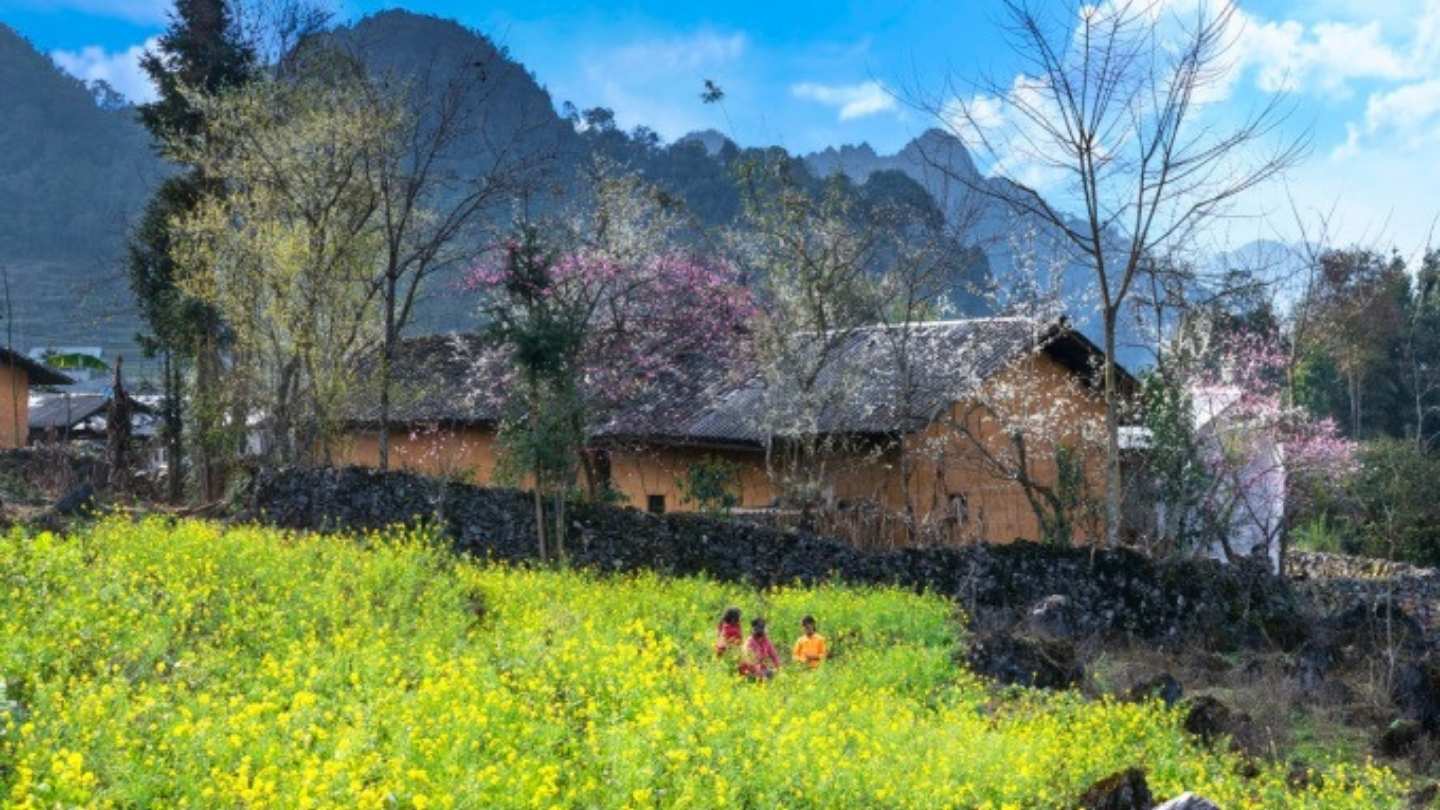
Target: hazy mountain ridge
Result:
[[89, 286]]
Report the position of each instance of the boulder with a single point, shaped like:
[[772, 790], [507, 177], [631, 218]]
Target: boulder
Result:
[[1416, 691], [1018, 661], [1399, 738], [1424, 796], [1052, 617], [1188, 801], [1163, 687], [78, 501], [1122, 790], [1209, 719]]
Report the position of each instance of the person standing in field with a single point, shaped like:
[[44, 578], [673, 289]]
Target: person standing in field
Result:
[[760, 660], [728, 634], [810, 647]]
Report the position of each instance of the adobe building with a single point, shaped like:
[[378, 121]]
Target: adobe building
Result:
[[925, 453], [17, 374]]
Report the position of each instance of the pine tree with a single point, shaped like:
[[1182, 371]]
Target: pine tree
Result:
[[202, 51]]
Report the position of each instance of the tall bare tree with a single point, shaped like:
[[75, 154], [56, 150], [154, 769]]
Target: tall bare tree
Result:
[[458, 158], [811, 258], [1110, 103]]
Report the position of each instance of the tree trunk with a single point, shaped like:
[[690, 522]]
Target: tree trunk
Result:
[[387, 360], [539, 518], [1355, 407], [174, 429], [559, 525], [117, 431], [1113, 494], [906, 494], [208, 420]]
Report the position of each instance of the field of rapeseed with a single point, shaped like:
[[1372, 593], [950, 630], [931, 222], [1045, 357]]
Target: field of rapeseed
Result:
[[156, 665]]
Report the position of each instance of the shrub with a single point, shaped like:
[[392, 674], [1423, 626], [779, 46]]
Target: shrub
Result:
[[1320, 533], [1391, 509], [711, 484]]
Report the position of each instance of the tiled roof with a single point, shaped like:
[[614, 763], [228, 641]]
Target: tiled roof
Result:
[[431, 382], [39, 373], [64, 411], [708, 402]]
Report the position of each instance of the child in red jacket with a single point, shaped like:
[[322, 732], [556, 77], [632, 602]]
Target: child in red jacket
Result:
[[760, 660], [727, 634]]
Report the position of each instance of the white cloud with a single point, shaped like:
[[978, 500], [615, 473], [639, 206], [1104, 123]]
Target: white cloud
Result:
[[120, 69], [853, 100], [1407, 117], [138, 11], [1011, 141], [1327, 56]]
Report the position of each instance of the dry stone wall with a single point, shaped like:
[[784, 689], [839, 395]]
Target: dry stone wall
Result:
[[1108, 592]]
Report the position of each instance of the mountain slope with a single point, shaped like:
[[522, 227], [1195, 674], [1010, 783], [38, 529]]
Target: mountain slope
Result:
[[74, 175]]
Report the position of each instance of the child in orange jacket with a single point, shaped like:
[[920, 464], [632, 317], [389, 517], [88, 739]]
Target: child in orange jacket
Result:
[[810, 647]]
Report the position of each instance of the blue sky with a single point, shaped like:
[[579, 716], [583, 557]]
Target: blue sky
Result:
[[1363, 76]]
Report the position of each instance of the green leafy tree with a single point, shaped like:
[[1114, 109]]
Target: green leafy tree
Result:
[[287, 255], [542, 334], [711, 485]]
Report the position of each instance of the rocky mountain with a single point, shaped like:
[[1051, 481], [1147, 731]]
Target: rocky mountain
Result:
[[83, 168], [976, 204]]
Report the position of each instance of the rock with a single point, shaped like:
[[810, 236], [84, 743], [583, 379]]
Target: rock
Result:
[[1162, 686], [1052, 617], [1209, 719], [1425, 796], [1122, 790], [1188, 801], [1018, 661], [1399, 738], [80, 500], [1416, 692]]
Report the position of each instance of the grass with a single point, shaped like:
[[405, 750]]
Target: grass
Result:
[[189, 665], [1319, 534]]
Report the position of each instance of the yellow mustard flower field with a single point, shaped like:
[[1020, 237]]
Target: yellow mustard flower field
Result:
[[159, 664]]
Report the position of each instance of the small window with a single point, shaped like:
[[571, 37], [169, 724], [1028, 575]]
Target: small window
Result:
[[655, 504], [959, 509]]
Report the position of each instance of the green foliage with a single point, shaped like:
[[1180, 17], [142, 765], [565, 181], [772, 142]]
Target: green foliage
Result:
[[288, 253], [1075, 505], [202, 51], [167, 664], [544, 433], [1174, 473], [1320, 533], [75, 360], [711, 485], [1391, 509], [1371, 346]]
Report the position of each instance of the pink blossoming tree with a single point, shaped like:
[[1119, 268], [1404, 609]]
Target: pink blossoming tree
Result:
[[606, 328], [1243, 455]]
